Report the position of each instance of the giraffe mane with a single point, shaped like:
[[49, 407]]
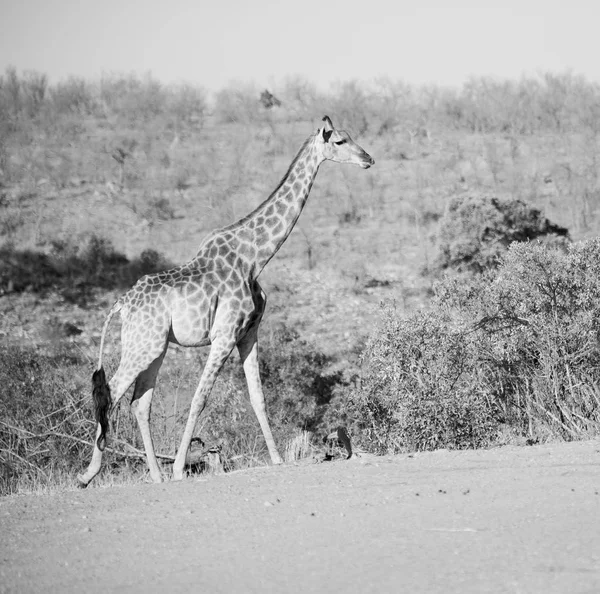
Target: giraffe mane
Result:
[[282, 181], [293, 164]]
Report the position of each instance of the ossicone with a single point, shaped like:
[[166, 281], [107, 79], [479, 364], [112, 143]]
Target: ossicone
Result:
[[328, 124]]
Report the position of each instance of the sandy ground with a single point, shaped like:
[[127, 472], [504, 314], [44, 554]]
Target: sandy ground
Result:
[[520, 520]]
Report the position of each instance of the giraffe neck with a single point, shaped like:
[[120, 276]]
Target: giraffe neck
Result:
[[269, 225]]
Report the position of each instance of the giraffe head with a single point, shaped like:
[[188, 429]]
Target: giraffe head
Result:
[[336, 145]]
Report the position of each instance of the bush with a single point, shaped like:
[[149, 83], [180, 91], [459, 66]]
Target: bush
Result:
[[421, 389], [135, 100], [477, 230], [297, 381], [516, 348], [73, 96], [550, 102], [186, 107], [74, 268], [537, 332]]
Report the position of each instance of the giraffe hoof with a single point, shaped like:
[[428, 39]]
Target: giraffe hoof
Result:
[[81, 484]]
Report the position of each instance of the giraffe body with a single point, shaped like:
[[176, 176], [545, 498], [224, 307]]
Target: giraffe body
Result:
[[214, 299]]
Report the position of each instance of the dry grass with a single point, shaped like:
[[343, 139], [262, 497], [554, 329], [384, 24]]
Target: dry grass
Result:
[[298, 447]]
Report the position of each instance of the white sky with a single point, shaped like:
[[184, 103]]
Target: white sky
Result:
[[213, 42]]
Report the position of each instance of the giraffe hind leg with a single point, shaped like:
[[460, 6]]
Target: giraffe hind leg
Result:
[[118, 385], [141, 403]]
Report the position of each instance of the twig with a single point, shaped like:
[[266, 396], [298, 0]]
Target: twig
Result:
[[585, 421], [553, 417], [567, 415], [134, 454], [17, 429], [65, 407], [509, 321], [23, 460]]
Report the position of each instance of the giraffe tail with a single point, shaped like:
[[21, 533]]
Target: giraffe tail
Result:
[[102, 402], [100, 388]]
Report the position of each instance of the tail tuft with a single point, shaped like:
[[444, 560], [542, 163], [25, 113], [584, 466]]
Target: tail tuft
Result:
[[102, 404]]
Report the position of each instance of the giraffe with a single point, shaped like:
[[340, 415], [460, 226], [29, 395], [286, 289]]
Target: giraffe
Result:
[[214, 299]]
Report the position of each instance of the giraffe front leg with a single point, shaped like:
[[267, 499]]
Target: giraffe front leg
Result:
[[219, 352], [248, 349]]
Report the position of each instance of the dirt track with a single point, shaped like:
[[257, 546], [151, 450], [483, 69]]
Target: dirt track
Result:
[[521, 520]]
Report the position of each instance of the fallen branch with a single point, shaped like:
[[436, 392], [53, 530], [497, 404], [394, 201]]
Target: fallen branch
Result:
[[555, 419], [135, 453], [37, 468], [194, 457]]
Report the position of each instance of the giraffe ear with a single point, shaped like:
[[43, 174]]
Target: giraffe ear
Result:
[[327, 129]]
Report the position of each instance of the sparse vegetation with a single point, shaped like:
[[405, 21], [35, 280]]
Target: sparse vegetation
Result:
[[104, 181], [44, 417]]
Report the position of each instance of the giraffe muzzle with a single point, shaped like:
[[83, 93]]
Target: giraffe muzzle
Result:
[[367, 161]]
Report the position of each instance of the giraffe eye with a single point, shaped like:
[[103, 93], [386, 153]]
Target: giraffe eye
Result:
[[343, 141]]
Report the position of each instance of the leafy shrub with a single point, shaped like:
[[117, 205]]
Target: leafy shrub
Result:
[[74, 268], [297, 381], [421, 388], [537, 332], [477, 230], [516, 348]]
